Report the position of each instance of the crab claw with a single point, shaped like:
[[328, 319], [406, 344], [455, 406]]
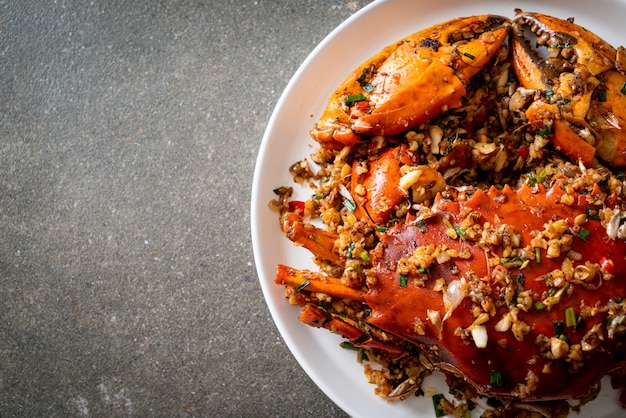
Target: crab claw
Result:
[[411, 81], [582, 87], [390, 179]]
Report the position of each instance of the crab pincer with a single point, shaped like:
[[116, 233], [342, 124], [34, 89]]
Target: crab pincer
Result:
[[581, 86], [411, 81]]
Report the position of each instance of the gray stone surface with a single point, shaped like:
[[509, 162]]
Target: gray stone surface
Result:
[[128, 137]]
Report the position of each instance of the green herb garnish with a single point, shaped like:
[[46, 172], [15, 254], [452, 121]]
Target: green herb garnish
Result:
[[354, 98], [592, 213], [368, 87], [303, 285], [584, 234], [570, 317], [439, 412], [495, 378], [545, 131], [403, 280], [559, 327], [349, 204], [350, 250]]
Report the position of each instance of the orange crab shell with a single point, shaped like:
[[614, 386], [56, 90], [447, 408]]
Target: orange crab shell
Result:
[[412, 81], [595, 93], [406, 310]]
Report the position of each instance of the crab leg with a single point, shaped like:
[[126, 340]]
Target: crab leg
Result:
[[383, 185], [316, 282], [314, 239]]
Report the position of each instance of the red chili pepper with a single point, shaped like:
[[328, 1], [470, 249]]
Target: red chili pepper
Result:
[[296, 206], [362, 105], [607, 265], [523, 151]]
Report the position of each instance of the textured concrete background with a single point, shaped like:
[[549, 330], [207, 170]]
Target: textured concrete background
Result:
[[128, 137]]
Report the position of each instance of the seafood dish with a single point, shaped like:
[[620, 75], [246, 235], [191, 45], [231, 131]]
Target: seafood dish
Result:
[[467, 215]]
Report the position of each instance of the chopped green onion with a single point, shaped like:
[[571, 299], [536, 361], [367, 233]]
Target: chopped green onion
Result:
[[495, 378], [403, 280], [510, 260], [348, 345], [541, 177], [538, 255], [602, 95], [570, 317], [362, 356], [456, 228], [354, 98], [349, 204], [584, 234], [318, 196], [421, 225], [468, 55], [524, 264], [303, 285], [439, 412], [381, 229], [364, 256], [623, 89], [548, 93], [539, 305], [364, 74], [368, 87], [350, 250], [592, 213], [559, 327], [460, 231], [545, 131]]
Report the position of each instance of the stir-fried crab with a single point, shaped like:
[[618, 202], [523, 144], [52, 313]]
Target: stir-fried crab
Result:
[[468, 243]]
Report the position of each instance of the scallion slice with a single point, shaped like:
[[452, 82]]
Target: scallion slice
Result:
[[303, 285], [403, 280], [559, 327], [495, 378], [439, 412], [570, 317]]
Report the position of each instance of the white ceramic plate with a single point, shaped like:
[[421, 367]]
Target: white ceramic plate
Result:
[[286, 141]]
